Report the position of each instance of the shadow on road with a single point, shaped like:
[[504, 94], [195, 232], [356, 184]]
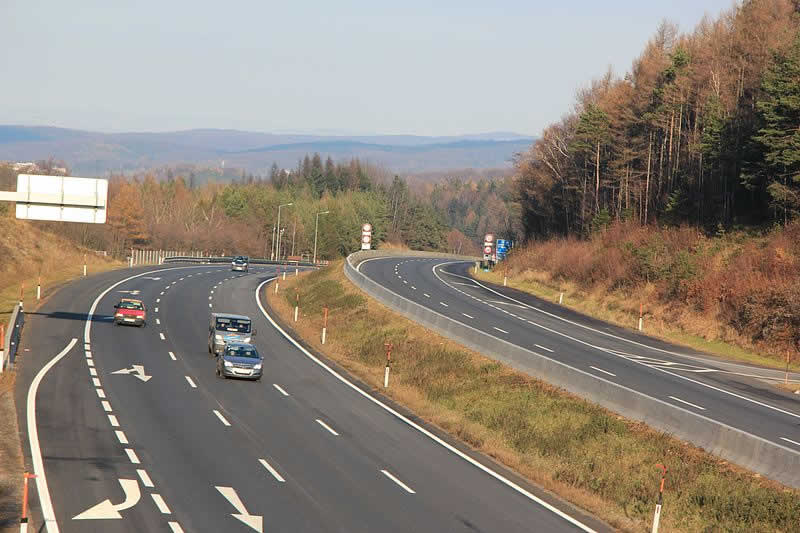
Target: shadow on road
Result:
[[63, 315]]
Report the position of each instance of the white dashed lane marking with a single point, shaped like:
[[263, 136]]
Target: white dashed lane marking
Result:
[[603, 371], [221, 418], [500, 330], [326, 426], [688, 403], [545, 348], [400, 483], [146, 481], [132, 456]]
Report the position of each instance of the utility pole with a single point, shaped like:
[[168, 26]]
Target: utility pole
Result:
[[316, 230], [278, 248]]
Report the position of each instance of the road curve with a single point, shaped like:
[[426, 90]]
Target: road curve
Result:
[[136, 433], [732, 394]]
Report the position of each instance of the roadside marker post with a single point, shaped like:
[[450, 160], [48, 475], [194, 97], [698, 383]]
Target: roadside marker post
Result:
[[84, 264], [2, 346], [324, 323], [388, 361], [21, 293], [561, 298], [641, 307], [39, 289], [296, 303], [23, 523], [284, 273], [505, 273], [657, 516], [296, 271]]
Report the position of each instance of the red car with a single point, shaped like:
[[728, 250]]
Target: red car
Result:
[[130, 311]]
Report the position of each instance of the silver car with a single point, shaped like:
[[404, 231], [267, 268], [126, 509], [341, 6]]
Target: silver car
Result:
[[224, 328], [240, 264], [240, 360]]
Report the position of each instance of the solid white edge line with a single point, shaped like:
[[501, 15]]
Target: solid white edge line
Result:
[[221, 418], [48, 513], [326, 426], [416, 426], [790, 440], [191, 383], [160, 503], [688, 403], [271, 470], [146, 481], [280, 389], [402, 485], [603, 371]]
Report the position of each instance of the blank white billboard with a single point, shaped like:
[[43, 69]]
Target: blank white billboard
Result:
[[61, 198]]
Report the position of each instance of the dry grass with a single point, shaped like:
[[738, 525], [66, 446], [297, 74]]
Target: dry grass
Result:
[[10, 458], [30, 253], [737, 295], [578, 450]]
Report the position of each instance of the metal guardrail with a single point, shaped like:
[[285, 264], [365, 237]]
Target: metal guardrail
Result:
[[12, 338], [750, 451], [226, 259]]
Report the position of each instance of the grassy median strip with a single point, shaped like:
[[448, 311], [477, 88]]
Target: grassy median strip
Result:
[[586, 454]]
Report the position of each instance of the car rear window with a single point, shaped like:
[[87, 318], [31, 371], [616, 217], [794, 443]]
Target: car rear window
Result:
[[242, 351], [136, 306], [234, 325]]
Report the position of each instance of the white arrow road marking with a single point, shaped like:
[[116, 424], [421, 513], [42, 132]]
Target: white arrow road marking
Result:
[[254, 521], [106, 510], [133, 293], [136, 370], [154, 279]]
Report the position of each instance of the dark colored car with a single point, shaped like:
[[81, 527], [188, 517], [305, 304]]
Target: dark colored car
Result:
[[240, 360], [130, 311]]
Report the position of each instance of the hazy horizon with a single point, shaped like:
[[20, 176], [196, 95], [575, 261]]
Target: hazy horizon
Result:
[[354, 67]]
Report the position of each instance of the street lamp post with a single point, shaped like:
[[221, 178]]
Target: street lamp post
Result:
[[316, 228], [279, 229]]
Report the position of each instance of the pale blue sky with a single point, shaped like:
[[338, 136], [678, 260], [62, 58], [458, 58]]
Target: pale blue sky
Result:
[[429, 68]]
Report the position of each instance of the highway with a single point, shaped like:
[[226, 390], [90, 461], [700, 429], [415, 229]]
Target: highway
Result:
[[684, 379], [129, 429]]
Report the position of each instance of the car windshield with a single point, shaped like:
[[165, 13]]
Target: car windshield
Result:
[[234, 325], [241, 259], [242, 351], [131, 305]]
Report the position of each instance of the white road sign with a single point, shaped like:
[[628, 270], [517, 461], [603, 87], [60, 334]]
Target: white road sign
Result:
[[59, 198]]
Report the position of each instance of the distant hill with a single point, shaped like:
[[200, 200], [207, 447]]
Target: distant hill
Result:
[[93, 153]]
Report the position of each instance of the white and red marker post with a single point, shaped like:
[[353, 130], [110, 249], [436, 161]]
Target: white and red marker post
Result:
[[657, 516], [388, 362], [324, 323], [23, 523]]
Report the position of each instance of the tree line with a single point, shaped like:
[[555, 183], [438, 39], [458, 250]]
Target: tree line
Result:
[[240, 217], [704, 130]]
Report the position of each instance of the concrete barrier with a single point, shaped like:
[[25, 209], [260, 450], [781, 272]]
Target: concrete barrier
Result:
[[744, 449]]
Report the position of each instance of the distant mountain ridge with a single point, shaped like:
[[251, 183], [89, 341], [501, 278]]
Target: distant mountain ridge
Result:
[[89, 152]]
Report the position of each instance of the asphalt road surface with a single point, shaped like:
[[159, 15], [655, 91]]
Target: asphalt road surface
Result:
[[733, 394], [130, 430]]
